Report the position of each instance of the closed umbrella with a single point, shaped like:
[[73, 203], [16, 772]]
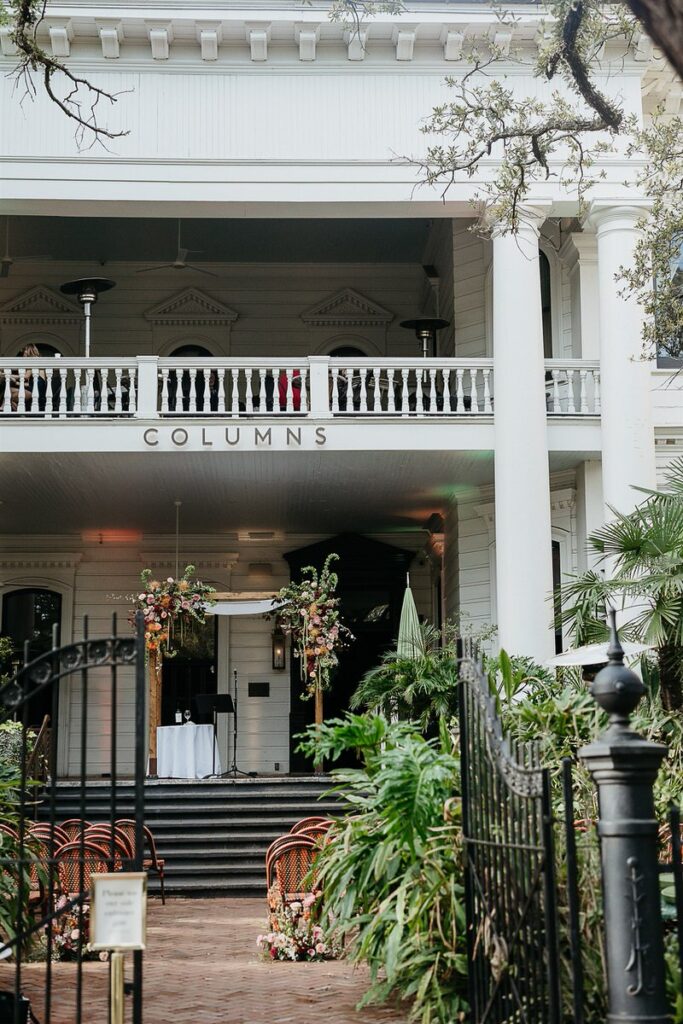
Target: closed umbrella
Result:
[[410, 643]]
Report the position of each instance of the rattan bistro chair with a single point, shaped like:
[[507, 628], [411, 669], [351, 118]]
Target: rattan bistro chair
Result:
[[95, 860], [152, 863], [74, 826], [288, 867], [306, 823], [118, 850], [318, 832], [44, 831]]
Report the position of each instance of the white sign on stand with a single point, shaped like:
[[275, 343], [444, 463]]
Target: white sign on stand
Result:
[[118, 911]]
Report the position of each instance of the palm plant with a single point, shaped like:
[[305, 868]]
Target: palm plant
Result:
[[645, 550], [421, 687]]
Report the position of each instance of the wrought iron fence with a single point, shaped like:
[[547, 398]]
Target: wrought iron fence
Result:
[[45, 864]]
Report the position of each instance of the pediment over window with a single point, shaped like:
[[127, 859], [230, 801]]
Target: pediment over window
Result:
[[347, 308], [191, 308], [40, 305]]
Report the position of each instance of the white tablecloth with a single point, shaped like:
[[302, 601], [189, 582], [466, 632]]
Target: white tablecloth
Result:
[[185, 751]]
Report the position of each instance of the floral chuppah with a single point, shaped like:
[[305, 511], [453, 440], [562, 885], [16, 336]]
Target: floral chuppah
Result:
[[170, 607]]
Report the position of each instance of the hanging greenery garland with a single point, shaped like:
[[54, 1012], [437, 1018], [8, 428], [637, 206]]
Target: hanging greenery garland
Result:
[[309, 612]]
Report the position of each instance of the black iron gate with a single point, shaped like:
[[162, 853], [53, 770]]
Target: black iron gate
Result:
[[510, 888], [45, 863]]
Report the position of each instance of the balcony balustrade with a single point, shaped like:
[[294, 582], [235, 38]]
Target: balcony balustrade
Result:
[[148, 387]]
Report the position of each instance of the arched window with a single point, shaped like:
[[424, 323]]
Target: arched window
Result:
[[347, 352], [546, 304], [49, 351], [28, 617]]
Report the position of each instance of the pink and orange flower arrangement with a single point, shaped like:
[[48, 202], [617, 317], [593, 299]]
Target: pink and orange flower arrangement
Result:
[[297, 935], [169, 604], [309, 612]]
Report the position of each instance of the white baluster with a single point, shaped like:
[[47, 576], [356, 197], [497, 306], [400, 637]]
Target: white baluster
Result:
[[376, 393], [447, 401], [90, 391], [164, 389], [405, 400], [487, 390], [571, 406], [391, 397], [132, 389], [249, 397], [192, 407], [21, 398], [48, 391], [220, 382], [419, 396], [335, 389], [349, 388], [556, 405], [459, 391], [262, 390], [584, 397], [118, 373], [304, 390], [474, 397], [289, 396], [5, 402], [78, 403], [62, 399], [362, 373], [596, 392], [207, 390], [235, 398], [432, 390]]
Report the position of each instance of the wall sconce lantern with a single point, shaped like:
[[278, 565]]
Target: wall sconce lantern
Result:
[[278, 649]]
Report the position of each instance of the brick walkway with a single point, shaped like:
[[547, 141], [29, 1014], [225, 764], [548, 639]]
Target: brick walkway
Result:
[[202, 967]]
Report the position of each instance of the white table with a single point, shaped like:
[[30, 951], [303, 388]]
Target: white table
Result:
[[186, 751]]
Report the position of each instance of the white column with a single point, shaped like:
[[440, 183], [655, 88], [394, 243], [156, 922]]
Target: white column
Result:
[[628, 454], [589, 510], [524, 574], [580, 253]]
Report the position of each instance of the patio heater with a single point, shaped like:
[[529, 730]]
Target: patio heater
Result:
[[425, 328], [87, 289]]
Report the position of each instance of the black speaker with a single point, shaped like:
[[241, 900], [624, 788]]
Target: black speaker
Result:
[[8, 1008]]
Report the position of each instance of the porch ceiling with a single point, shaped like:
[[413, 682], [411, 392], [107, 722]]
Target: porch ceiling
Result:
[[317, 492]]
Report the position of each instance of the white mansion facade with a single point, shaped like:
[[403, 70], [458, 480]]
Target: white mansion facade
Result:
[[272, 389]]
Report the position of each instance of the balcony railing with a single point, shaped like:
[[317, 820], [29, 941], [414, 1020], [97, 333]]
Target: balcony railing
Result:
[[315, 387]]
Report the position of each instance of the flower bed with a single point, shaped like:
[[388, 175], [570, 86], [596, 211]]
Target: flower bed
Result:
[[298, 936]]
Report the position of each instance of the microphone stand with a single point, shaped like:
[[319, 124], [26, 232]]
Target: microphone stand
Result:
[[234, 770]]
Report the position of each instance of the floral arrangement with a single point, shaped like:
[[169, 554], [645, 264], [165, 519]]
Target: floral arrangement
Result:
[[168, 604], [297, 936], [66, 932], [309, 612]]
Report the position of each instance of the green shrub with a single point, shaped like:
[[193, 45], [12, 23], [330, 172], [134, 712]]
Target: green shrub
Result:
[[392, 878]]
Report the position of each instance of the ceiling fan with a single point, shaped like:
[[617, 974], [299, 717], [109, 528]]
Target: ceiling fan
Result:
[[7, 260], [180, 262]]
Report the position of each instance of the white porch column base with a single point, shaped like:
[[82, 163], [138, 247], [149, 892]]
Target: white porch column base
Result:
[[628, 456], [524, 574]]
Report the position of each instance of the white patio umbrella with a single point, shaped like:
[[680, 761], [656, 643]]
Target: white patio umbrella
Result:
[[410, 642], [595, 654]]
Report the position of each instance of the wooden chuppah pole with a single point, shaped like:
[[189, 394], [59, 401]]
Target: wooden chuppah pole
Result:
[[318, 768], [154, 669]]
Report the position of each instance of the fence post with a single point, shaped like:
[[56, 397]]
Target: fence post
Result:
[[624, 767], [320, 388]]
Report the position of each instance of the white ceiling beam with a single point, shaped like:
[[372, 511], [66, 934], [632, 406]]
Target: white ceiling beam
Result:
[[258, 37], [160, 39], [60, 39], [355, 40], [404, 41], [307, 37], [452, 39]]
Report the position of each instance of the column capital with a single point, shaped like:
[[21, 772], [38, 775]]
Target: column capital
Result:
[[581, 246], [532, 216], [604, 216]]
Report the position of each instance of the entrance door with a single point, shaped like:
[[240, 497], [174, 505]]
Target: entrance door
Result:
[[28, 618], [191, 671], [372, 579]]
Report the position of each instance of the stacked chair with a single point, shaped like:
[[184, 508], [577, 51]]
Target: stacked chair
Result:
[[290, 860]]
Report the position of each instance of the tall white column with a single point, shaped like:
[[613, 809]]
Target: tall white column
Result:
[[628, 455], [522, 501]]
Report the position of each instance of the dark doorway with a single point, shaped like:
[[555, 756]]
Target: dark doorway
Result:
[[191, 671], [28, 617], [372, 578]]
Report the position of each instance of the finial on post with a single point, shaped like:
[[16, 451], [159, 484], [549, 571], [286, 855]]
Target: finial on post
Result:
[[616, 688]]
